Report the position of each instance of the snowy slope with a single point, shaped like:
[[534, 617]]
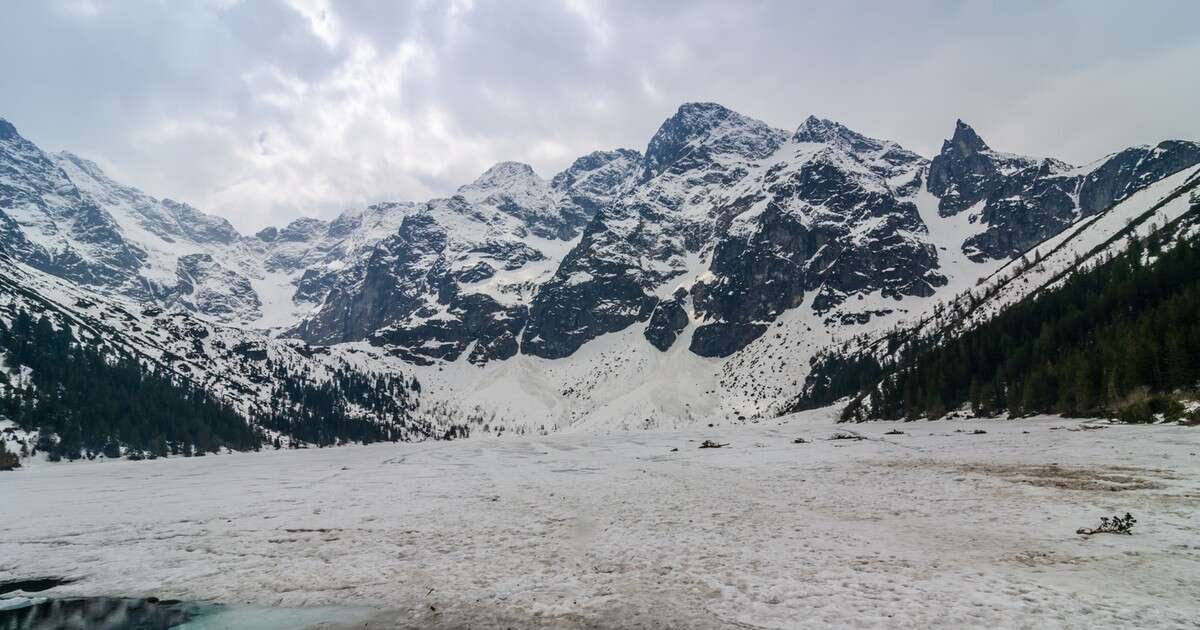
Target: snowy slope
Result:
[[1170, 203], [929, 529], [691, 283], [242, 368]]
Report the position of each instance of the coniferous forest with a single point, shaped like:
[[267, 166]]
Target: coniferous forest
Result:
[[1114, 340], [86, 399], [98, 402]]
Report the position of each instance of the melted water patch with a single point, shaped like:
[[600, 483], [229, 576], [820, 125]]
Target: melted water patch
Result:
[[99, 613], [116, 613], [32, 585]]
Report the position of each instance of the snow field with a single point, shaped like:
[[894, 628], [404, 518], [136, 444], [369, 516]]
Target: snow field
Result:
[[938, 527]]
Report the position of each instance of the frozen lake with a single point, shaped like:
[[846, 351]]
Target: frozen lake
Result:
[[938, 527]]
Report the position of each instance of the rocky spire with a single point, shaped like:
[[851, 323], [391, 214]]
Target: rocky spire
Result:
[[964, 141]]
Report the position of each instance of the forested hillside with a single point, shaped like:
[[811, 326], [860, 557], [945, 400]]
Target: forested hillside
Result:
[[1108, 341], [84, 401], [83, 398]]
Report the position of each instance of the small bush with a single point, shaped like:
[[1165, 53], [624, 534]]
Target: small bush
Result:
[[1114, 525], [1148, 409], [8, 461]]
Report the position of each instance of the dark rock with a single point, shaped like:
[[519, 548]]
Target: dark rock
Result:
[[586, 298], [253, 350], [965, 172], [666, 322], [1133, 169], [1025, 201], [722, 339], [7, 130]]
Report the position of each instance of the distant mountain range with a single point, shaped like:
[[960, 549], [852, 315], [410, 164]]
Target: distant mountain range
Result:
[[692, 281]]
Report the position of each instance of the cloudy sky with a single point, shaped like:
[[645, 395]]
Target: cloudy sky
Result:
[[263, 111]]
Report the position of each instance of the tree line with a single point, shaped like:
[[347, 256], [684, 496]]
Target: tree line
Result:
[[85, 401], [1102, 343]]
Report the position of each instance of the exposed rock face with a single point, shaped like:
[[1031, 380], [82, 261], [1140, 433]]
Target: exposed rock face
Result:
[[50, 224], [1124, 173], [208, 288], [967, 171], [63, 215], [1023, 201], [725, 224], [461, 271], [587, 297], [1031, 205], [396, 278], [699, 133], [591, 183], [471, 318], [667, 321], [652, 233], [831, 219], [771, 216]]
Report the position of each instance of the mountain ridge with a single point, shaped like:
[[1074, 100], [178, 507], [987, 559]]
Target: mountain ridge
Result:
[[728, 253]]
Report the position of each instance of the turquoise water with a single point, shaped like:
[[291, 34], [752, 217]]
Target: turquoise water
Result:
[[108, 613], [212, 617]]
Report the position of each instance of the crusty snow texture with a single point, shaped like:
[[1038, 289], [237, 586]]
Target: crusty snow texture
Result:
[[938, 527]]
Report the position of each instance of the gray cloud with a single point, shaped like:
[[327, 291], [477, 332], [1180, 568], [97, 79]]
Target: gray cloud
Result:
[[268, 110]]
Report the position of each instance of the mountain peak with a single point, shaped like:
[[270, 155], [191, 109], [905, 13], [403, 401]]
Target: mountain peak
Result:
[[815, 129], [501, 176], [7, 130], [84, 164], [506, 169], [965, 141], [700, 123], [702, 108]]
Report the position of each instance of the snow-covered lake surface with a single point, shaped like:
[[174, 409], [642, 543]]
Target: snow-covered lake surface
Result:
[[939, 527]]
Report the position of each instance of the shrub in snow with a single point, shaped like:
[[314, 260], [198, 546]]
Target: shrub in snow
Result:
[[1147, 409], [8, 461], [1114, 525]]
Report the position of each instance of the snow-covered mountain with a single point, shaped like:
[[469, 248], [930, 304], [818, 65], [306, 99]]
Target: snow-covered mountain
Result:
[[694, 280], [460, 272], [290, 393], [1166, 211], [1023, 201]]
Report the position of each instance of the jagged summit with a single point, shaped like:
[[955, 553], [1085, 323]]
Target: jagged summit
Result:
[[583, 165], [88, 166], [301, 230], [815, 129], [7, 130], [694, 121], [964, 141], [884, 157], [728, 238], [967, 171], [716, 128], [503, 175], [699, 110]]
